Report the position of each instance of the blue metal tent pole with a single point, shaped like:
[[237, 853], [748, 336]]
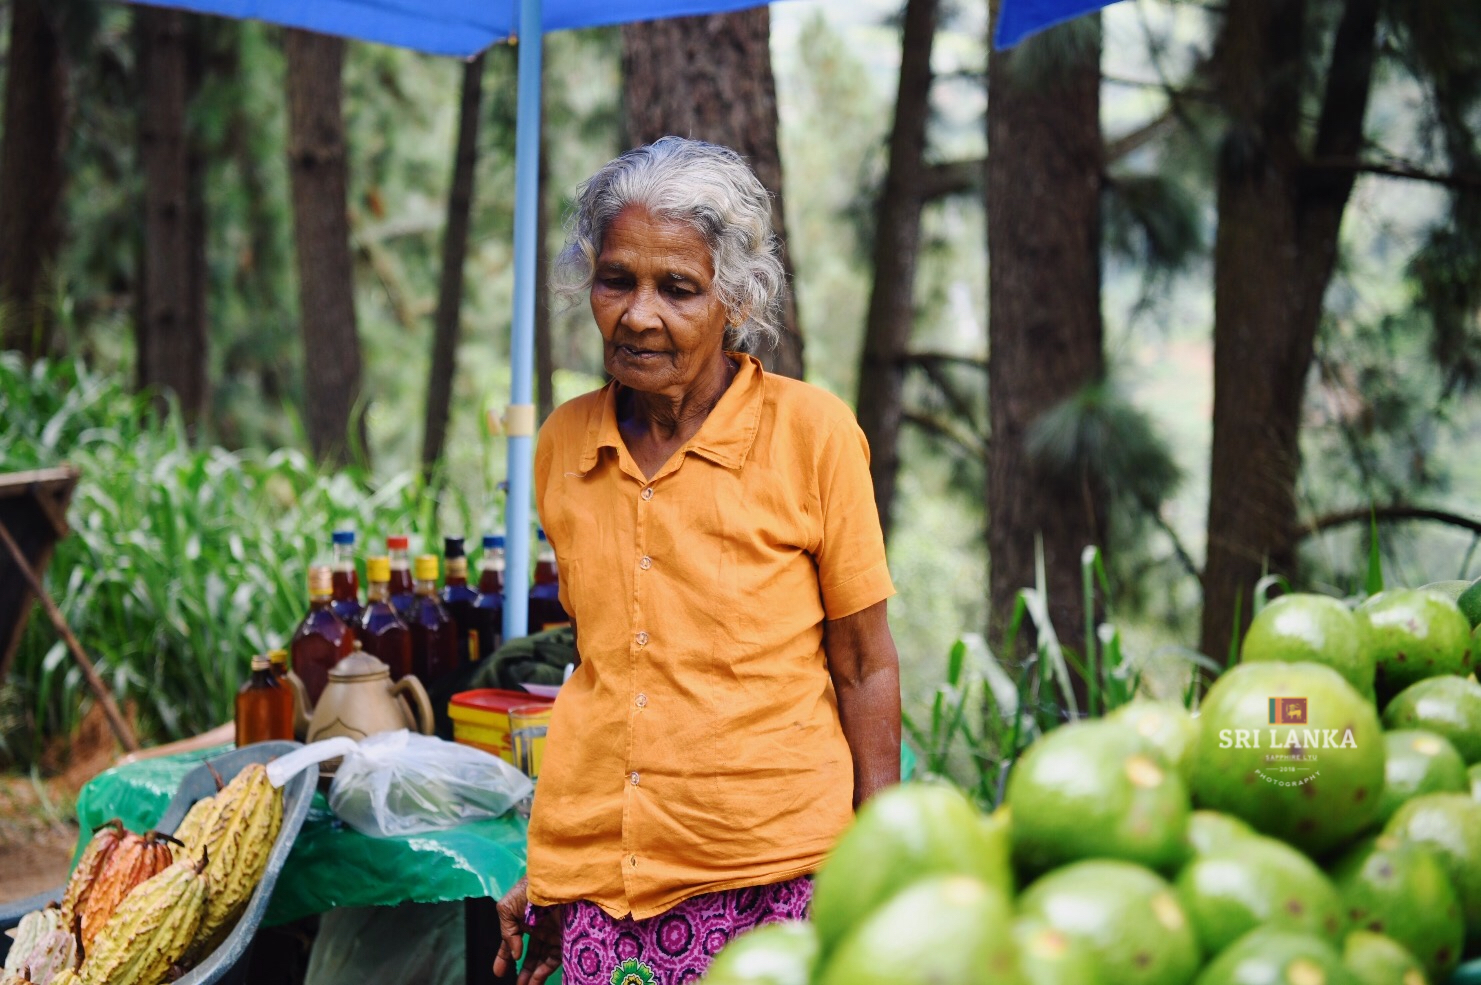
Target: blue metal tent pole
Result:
[[520, 421]]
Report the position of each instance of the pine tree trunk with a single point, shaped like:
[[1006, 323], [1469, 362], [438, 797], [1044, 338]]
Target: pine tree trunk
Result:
[[32, 178], [321, 230], [454, 253], [1044, 167], [544, 347], [891, 315], [170, 332], [1273, 258], [710, 78]]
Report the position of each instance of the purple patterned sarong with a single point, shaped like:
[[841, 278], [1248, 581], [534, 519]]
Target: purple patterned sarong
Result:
[[676, 946]]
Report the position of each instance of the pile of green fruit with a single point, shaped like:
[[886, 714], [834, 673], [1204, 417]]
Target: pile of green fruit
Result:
[[1316, 822]]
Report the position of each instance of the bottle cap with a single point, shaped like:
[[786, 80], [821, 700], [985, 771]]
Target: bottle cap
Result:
[[277, 657], [492, 541], [424, 568], [540, 535], [261, 663], [321, 581], [398, 542], [378, 569], [452, 547], [346, 537]]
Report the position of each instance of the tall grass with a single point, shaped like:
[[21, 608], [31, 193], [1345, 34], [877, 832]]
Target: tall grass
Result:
[[183, 561]]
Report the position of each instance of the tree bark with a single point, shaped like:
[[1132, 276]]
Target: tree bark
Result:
[[321, 231], [710, 78], [1044, 165], [454, 253], [32, 178], [544, 348], [170, 332], [891, 314], [1273, 258]]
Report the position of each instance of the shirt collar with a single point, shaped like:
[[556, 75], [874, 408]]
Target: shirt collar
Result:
[[725, 437]]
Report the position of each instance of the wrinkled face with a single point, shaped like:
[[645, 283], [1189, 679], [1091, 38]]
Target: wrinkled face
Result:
[[653, 297]]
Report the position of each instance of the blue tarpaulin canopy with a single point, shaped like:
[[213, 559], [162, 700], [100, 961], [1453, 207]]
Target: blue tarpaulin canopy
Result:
[[463, 28]]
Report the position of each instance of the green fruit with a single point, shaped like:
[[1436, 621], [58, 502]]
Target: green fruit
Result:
[[994, 864], [1127, 917], [904, 833], [1271, 956], [1210, 831], [1320, 786], [1413, 634], [776, 954], [1051, 957], [1167, 726], [945, 929], [1419, 762], [1304, 628], [1450, 825], [1095, 789], [1448, 705], [1374, 959], [1475, 774], [1255, 882], [1401, 890], [1469, 603]]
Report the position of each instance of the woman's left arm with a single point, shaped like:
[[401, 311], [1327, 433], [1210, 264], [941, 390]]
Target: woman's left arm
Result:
[[866, 676]]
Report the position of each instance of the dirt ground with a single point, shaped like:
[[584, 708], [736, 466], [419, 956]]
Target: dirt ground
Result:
[[38, 828]]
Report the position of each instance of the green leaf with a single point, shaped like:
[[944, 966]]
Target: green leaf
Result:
[[1373, 583]]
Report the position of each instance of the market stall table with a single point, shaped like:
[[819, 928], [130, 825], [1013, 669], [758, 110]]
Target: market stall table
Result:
[[332, 865]]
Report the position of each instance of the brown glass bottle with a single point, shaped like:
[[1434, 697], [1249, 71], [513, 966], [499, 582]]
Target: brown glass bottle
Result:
[[322, 638], [488, 608], [382, 633], [458, 598], [264, 706], [434, 635]]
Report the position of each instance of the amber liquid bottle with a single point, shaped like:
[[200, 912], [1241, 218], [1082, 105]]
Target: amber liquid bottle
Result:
[[264, 706], [382, 633], [346, 579], [546, 610], [322, 638], [488, 608], [458, 598], [434, 635], [403, 592]]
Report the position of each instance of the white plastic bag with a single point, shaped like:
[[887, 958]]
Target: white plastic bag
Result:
[[401, 783]]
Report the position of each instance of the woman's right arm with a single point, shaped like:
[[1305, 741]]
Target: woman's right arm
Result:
[[544, 932]]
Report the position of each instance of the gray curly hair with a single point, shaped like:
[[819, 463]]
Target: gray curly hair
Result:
[[708, 187]]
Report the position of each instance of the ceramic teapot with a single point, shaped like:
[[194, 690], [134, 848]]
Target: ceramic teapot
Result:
[[360, 700]]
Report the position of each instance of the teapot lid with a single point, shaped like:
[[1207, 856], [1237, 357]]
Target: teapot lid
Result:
[[359, 666]]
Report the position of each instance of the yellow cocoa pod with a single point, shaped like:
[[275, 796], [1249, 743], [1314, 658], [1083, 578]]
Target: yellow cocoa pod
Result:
[[197, 822], [150, 930], [237, 851]]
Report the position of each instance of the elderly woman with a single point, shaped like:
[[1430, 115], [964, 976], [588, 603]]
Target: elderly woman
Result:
[[720, 555]]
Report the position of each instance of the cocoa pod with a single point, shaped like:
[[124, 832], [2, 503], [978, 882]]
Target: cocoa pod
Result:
[[197, 822], [136, 859], [238, 847], [151, 930], [100, 848]]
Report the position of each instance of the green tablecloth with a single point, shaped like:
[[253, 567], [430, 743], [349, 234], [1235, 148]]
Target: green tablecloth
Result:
[[332, 864]]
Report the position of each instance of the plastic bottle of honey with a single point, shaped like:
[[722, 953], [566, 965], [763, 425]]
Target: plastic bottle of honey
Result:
[[546, 611], [458, 598], [382, 632], [346, 579], [322, 638], [402, 590], [264, 706], [488, 609]]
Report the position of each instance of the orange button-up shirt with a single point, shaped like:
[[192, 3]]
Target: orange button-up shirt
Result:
[[698, 747]]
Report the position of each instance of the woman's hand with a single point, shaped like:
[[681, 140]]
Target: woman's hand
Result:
[[545, 937]]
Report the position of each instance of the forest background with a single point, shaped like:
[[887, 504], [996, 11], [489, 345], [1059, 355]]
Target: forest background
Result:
[[1197, 284]]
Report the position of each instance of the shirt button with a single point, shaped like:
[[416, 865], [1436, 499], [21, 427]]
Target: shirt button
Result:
[[642, 639], [633, 776], [645, 563], [641, 701], [648, 493]]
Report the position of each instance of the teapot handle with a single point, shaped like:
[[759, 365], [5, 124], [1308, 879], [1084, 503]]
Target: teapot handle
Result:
[[419, 708], [303, 708]]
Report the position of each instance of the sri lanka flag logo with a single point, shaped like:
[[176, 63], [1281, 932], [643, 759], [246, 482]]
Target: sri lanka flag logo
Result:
[[1288, 711]]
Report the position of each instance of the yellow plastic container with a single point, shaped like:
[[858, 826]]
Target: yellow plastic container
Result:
[[481, 719]]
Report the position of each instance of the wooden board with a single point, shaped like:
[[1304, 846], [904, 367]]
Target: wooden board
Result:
[[33, 507]]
